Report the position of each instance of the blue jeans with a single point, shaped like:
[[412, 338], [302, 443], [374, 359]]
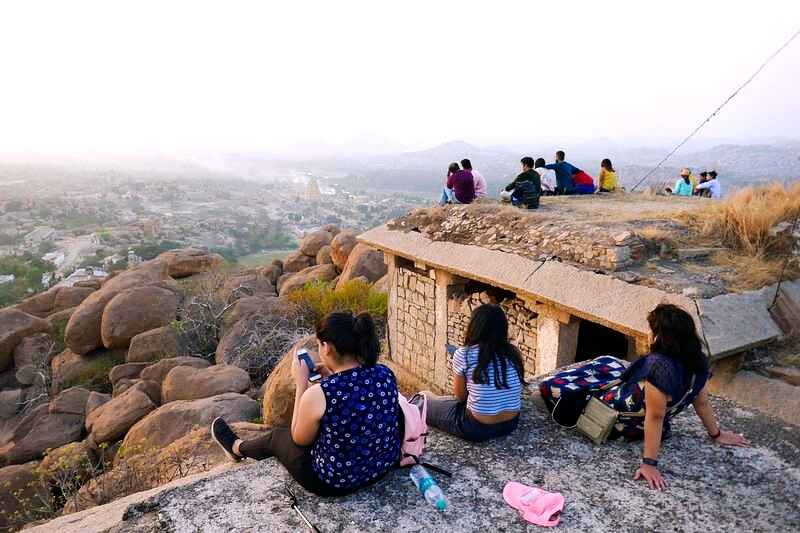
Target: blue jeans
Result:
[[448, 197]]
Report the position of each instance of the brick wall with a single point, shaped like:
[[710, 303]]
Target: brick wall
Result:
[[521, 324], [413, 320]]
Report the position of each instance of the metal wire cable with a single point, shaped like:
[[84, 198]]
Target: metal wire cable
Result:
[[718, 109]]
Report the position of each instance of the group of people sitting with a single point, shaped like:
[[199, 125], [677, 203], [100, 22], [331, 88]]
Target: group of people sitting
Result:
[[346, 431], [708, 186], [538, 178]]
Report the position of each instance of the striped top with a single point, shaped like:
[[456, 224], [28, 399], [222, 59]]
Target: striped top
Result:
[[484, 398]]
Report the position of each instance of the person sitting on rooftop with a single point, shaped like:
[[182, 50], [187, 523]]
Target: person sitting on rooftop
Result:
[[683, 186], [607, 177], [564, 173], [583, 183], [526, 188], [548, 177], [324, 450], [712, 186], [648, 393], [460, 187], [488, 377], [479, 180]]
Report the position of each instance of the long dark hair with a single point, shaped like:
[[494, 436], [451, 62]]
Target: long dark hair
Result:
[[606, 164], [676, 337], [351, 335], [488, 328], [453, 168]]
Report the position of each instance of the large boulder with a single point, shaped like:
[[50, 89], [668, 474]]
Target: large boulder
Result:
[[32, 355], [20, 425], [296, 261], [382, 285], [21, 495], [314, 273], [175, 419], [11, 401], [15, 325], [279, 389], [272, 272], [314, 241], [83, 331], [89, 370], [47, 432], [126, 371], [158, 371], [94, 401], [363, 262], [153, 345], [248, 283], [188, 383], [186, 262], [333, 229], [324, 255], [71, 402], [54, 300], [58, 320], [135, 311], [112, 420], [341, 246]]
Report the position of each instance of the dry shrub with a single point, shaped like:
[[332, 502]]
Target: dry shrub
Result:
[[743, 221]]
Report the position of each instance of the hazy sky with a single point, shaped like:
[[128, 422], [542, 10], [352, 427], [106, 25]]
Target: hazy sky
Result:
[[173, 75]]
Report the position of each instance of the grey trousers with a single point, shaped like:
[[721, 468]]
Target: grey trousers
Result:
[[450, 415]]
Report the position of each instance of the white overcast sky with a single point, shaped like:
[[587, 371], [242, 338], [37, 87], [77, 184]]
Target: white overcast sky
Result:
[[267, 75]]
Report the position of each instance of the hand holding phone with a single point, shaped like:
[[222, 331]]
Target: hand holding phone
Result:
[[304, 357]]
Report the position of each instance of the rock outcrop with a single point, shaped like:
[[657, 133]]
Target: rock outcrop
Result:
[[188, 383], [314, 241], [365, 262], [135, 311], [341, 246], [279, 389], [308, 275], [83, 332], [46, 432], [153, 345], [175, 419], [31, 356], [296, 261], [324, 256], [15, 325], [186, 262], [54, 300], [20, 483], [158, 371], [111, 421]]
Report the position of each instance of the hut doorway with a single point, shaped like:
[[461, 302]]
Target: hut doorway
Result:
[[595, 340]]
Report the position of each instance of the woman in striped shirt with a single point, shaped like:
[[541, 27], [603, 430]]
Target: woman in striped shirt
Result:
[[488, 375]]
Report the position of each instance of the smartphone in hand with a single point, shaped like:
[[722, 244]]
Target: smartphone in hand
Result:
[[304, 357]]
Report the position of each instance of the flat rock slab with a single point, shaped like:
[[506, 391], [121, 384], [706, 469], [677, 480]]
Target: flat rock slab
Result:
[[710, 488]]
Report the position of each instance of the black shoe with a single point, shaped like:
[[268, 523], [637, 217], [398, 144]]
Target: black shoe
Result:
[[225, 437]]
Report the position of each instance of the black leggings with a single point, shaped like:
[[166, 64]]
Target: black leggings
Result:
[[278, 443]]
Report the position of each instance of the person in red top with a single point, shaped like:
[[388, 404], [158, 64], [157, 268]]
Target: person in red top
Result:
[[460, 188]]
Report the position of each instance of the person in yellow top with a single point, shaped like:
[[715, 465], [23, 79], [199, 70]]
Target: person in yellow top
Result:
[[608, 177]]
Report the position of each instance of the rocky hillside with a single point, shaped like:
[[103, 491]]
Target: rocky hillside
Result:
[[107, 389]]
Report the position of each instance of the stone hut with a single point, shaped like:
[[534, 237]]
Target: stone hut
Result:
[[569, 295]]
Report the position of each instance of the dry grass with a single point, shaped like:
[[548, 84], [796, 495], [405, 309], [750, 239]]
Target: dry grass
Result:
[[742, 221], [746, 272]]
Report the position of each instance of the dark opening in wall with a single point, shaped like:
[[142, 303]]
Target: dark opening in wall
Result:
[[595, 340]]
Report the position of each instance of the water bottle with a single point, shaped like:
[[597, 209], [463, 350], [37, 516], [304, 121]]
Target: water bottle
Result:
[[428, 487]]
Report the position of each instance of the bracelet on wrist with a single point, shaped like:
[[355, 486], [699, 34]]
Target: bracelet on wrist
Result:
[[716, 435], [649, 462]]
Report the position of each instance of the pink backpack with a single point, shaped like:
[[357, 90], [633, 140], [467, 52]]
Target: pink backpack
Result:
[[415, 429]]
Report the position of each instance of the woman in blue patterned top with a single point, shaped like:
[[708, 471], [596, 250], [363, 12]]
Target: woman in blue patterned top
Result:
[[345, 429], [488, 375]]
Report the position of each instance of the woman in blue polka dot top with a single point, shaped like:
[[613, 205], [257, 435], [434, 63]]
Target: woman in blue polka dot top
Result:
[[345, 429]]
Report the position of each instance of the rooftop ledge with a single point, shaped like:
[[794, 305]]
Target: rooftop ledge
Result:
[[551, 256]]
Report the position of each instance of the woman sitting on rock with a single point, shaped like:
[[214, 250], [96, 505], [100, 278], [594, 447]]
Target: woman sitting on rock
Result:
[[652, 390], [345, 429], [488, 375]]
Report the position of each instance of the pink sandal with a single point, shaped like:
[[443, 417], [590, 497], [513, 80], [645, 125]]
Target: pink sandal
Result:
[[535, 505]]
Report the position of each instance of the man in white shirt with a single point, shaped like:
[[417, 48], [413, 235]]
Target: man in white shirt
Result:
[[480, 181], [713, 185], [548, 177]]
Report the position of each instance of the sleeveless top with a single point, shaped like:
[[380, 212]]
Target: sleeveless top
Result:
[[359, 435]]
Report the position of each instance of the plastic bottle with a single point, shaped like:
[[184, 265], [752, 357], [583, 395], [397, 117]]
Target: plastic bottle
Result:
[[428, 487]]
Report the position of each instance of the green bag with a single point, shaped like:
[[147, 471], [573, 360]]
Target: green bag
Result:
[[597, 421]]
